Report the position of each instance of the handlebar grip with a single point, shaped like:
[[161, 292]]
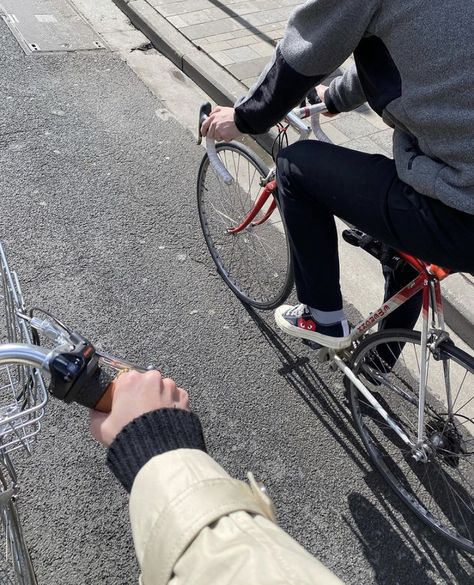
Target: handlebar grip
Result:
[[98, 390], [217, 164], [105, 402], [318, 131], [214, 159], [204, 112]]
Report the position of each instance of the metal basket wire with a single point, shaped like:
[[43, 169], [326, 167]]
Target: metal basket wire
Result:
[[22, 391]]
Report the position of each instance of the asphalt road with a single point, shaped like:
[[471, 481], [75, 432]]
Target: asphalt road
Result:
[[98, 212]]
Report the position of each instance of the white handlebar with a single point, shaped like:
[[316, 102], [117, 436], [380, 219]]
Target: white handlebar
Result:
[[216, 162], [295, 120], [313, 112], [317, 130]]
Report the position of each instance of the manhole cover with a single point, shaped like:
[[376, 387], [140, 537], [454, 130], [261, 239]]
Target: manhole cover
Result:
[[48, 26]]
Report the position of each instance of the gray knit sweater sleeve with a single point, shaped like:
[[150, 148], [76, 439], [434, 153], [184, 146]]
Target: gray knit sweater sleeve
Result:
[[345, 93], [321, 34]]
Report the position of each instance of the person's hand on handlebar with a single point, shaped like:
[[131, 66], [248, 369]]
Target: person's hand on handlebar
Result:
[[321, 91], [136, 394], [220, 125]]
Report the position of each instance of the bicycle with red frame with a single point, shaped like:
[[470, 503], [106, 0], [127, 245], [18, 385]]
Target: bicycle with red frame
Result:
[[410, 392]]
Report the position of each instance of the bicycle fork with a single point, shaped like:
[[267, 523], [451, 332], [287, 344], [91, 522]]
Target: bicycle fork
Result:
[[267, 192]]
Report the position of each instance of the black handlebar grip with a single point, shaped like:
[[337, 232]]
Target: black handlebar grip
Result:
[[98, 391], [204, 112]]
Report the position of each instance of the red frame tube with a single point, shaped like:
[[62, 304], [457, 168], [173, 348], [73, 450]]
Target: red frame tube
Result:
[[270, 210], [259, 203], [425, 271]]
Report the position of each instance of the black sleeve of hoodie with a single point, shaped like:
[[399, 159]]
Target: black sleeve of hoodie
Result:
[[149, 435], [279, 89]]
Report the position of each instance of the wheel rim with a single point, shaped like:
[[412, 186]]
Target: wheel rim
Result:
[[15, 562], [439, 490], [255, 263], [14, 566]]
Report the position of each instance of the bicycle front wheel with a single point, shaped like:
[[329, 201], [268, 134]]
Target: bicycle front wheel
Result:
[[15, 563], [438, 487], [255, 263]]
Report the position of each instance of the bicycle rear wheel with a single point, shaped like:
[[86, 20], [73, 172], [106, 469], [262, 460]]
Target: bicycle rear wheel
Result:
[[15, 563], [439, 489], [255, 263]]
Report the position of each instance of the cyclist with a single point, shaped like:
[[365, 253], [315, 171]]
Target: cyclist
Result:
[[191, 522], [413, 64]]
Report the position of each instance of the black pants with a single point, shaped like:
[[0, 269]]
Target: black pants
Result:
[[317, 181]]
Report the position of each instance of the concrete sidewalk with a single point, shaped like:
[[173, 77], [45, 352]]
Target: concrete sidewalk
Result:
[[223, 45]]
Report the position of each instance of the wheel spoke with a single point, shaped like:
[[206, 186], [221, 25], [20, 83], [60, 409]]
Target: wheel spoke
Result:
[[255, 262], [437, 480]]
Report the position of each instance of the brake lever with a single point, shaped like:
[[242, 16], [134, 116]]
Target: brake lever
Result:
[[204, 112], [120, 364], [313, 97]]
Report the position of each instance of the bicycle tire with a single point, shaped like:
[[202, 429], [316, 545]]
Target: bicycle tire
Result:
[[16, 566], [261, 274], [441, 500]]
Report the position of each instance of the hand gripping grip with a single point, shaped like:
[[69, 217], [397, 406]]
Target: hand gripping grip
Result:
[[313, 99], [98, 391], [214, 159], [105, 403]]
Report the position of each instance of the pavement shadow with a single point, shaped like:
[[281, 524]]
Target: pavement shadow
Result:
[[244, 22], [391, 559], [299, 372], [394, 558], [380, 534]]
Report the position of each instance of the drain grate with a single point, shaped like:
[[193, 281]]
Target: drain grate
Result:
[[48, 26]]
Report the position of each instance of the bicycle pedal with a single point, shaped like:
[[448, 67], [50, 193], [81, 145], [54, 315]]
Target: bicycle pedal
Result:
[[323, 355], [311, 344], [353, 237]]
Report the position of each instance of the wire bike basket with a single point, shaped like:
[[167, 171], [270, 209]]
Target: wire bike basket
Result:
[[22, 391]]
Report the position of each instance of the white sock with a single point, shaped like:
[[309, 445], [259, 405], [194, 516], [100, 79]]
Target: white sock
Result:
[[328, 318]]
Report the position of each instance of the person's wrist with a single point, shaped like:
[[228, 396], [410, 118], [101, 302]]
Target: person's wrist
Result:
[[149, 435], [329, 103]]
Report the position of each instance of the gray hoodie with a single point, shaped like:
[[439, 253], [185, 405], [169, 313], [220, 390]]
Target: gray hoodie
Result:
[[415, 67]]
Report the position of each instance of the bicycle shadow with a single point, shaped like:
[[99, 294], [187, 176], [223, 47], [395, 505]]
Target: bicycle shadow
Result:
[[421, 555], [376, 536], [301, 374], [393, 561]]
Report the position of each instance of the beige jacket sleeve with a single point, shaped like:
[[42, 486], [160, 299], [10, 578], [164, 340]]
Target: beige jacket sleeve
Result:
[[193, 524]]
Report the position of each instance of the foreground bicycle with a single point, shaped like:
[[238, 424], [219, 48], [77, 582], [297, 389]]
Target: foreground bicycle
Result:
[[411, 393], [77, 372]]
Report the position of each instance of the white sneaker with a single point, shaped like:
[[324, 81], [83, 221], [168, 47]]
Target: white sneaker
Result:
[[298, 322]]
